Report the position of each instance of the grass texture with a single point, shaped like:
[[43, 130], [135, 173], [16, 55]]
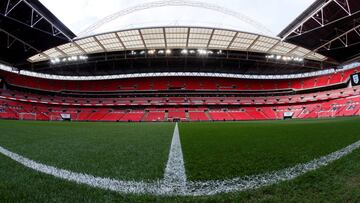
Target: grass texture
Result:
[[138, 151]]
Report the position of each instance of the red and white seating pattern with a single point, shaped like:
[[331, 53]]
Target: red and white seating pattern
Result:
[[211, 106], [332, 106], [176, 83]]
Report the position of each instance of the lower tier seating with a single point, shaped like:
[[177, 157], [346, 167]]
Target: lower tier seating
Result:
[[149, 101], [23, 110]]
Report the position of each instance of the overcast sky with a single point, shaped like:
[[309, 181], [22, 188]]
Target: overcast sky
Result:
[[273, 14]]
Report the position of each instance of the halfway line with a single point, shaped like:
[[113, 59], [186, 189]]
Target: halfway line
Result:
[[175, 176]]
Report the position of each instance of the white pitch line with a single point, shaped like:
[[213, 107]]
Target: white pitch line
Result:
[[175, 176], [206, 188], [98, 182], [174, 182]]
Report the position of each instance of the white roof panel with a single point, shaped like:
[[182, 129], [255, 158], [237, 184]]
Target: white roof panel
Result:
[[263, 44], [199, 36], [90, 45], [201, 30], [38, 57], [282, 48], [224, 33], [315, 56], [53, 53], [106, 36], [154, 36], [300, 52], [70, 49], [216, 44], [177, 37], [240, 46], [246, 36], [152, 31]]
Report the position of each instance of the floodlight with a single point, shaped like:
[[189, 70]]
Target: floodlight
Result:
[[192, 51], [151, 51], [202, 51], [184, 51]]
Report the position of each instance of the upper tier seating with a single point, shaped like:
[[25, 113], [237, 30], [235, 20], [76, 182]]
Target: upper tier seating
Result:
[[176, 83]]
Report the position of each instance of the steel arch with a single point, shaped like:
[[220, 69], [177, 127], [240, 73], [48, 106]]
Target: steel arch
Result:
[[176, 3]]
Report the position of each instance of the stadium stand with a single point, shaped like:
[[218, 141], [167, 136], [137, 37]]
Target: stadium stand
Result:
[[279, 74], [179, 84], [18, 104]]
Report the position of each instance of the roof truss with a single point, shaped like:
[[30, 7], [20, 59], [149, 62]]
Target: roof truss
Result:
[[342, 40], [321, 18], [34, 18], [11, 39]]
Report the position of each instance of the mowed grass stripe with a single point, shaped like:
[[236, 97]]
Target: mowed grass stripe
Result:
[[227, 150], [338, 182], [127, 151]]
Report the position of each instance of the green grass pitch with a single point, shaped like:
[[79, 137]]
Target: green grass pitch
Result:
[[127, 151], [212, 151], [226, 150]]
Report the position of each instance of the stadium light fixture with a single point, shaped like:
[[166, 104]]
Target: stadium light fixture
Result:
[[69, 59], [83, 57], [298, 59], [73, 58], [168, 51], [184, 52], [55, 61], [202, 52], [270, 56], [161, 52], [284, 58], [152, 51]]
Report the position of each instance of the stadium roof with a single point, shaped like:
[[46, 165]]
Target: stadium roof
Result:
[[176, 38], [329, 27], [26, 28]]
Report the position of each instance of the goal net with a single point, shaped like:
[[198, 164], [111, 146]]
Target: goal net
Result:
[[55, 118], [27, 116]]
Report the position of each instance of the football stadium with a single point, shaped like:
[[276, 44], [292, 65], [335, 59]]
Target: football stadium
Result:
[[134, 109]]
